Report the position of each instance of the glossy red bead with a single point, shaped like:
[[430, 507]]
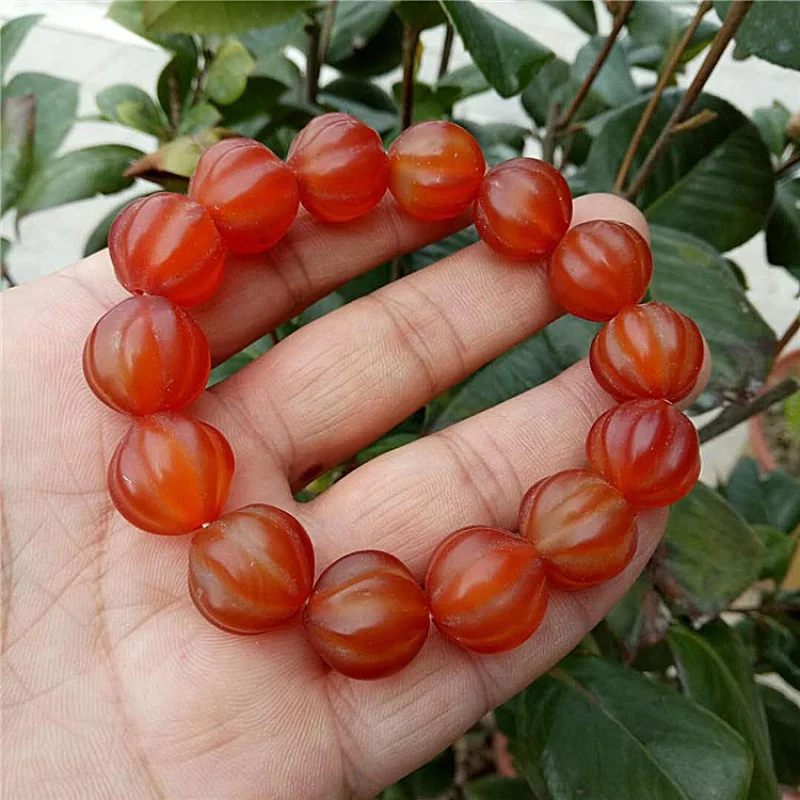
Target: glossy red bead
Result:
[[599, 268], [166, 244], [341, 167], [523, 209], [648, 450], [251, 195], [146, 355], [487, 589], [170, 474], [583, 528], [251, 570], [435, 170], [367, 617], [648, 351]]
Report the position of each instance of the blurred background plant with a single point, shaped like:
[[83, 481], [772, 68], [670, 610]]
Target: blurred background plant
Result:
[[687, 686]]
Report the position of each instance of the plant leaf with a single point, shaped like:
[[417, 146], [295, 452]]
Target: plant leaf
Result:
[[420, 14], [12, 35], [783, 227], [713, 671], [197, 16], [613, 84], [129, 105], [594, 728], [176, 81], [362, 99], [16, 147], [199, 118], [367, 39], [497, 787], [770, 499], [228, 73], [716, 182], [771, 122], [507, 57], [693, 278], [581, 12], [98, 238], [468, 80], [78, 175], [711, 554], [783, 718], [56, 106]]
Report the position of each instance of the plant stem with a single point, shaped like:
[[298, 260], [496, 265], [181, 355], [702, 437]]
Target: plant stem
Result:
[[200, 84], [663, 80], [602, 56], [723, 36], [735, 415], [313, 63], [6, 276], [787, 336], [787, 165], [325, 35], [447, 49], [410, 42], [549, 141]]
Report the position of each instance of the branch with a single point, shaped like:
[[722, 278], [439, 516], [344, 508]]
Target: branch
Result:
[[723, 36], [447, 49], [410, 42], [325, 35], [200, 85], [787, 336], [663, 82], [549, 141], [788, 165], [602, 56], [313, 63], [735, 415]]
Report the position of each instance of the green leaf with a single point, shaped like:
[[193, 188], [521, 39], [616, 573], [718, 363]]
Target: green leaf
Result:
[[199, 118], [228, 73], [78, 175], [716, 182], [769, 31], [436, 251], [779, 643], [267, 42], [692, 277], [16, 147], [433, 778], [56, 106], [367, 39], [783, 227], [496, 787], [468, 80], [98, 238], [129, 105], [550, 84], [640, 618], [779, 550], [714, 671], [362, 99], [771, 122], [130, 14], [581, 12], [355, 24], [420, 14], [613, 84], [385, 445], [197, 16], [499, 141], [771, 499], [176, 81], [593, 728], [259, 104], [506, 56], [278, 67], [429, 102], [712, 554], [662, 25], [783, 718], [12, 35], [239, 360]]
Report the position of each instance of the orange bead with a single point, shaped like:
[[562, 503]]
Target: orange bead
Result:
[[435, 170], [648, 351], [146, 355], [486, 588], [167, 245], [367, 617], [599, 268], [582, 527], [523, 209], [648, 450], [341, 167], [251, 570], [249, 192], [170, 474]]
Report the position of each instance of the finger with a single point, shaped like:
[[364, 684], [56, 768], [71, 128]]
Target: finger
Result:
[[260, 292], [344, 380]]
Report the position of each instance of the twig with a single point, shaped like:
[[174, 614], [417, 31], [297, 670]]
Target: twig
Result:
[[787, 165], [447, 49], [604, 53], [695, 121], [313, 63], [325, 35], [719, 43], [6, 276], [200, 85], [663, 82], [735, 415], [410, 42], [787, 336], [549, 141]]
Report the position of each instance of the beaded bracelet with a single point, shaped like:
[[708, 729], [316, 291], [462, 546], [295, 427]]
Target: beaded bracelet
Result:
[[486, 589]]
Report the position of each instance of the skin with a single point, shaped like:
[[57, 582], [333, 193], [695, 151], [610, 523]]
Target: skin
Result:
[[113, 685]]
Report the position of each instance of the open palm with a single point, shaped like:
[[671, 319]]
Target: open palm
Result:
[[113, 685]]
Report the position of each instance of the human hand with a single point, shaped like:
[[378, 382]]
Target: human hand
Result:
[[113, 685]]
